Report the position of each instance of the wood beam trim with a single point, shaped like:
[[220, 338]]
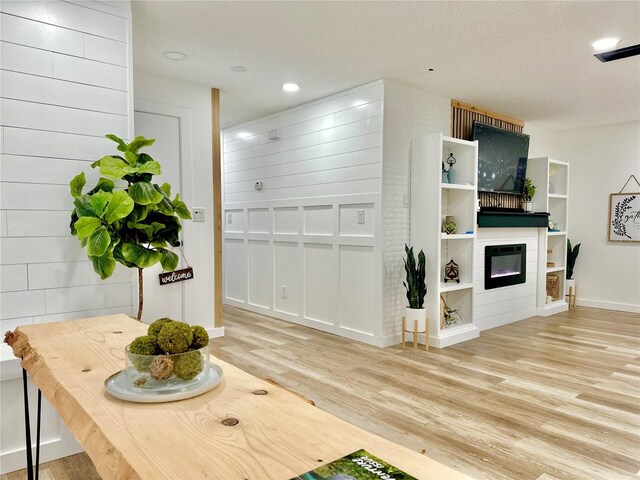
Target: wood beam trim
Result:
[[488, 113]]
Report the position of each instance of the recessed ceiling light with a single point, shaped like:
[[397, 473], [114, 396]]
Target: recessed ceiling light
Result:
[[605, 44], [290, 87], [239, 69], [176, 56]]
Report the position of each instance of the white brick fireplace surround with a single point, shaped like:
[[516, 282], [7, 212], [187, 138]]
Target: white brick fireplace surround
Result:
[[504, 305]]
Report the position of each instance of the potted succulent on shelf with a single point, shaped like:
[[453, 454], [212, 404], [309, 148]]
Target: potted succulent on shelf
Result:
[[134, 225], [416, 289], [572, 255], [528, 192]]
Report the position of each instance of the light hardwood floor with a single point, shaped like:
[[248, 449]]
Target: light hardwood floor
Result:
[[543, 398]]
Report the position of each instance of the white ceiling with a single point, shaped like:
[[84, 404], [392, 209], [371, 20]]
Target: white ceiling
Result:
[[532, 60]]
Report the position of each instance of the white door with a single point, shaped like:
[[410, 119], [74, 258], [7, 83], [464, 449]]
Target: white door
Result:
[[166, 300]]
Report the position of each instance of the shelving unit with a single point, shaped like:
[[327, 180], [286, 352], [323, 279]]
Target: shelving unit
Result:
[[551, 177], [431, 202]]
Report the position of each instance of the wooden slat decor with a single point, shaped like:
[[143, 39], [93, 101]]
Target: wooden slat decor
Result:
[[462, 117]]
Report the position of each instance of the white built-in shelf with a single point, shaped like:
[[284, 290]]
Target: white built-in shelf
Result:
[[450, 287], [556, 233], [555, 269], [557, 195], [457, 186], [457, 236], [554, 304]]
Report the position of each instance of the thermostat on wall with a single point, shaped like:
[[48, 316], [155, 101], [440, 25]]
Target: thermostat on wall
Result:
[[258, 185]]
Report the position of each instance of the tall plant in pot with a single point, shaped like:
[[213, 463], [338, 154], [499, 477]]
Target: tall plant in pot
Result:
[[416, 288], [125, 218], [527, 194], [572, 255]]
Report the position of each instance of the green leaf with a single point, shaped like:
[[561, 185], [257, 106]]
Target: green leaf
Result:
[[121, 145], [140, 256], [159, 244], [147, 229], [181, 208], [120, 206], [131, 158], [168, 260], [77, 184], [166, 189], [152, 167], [85, 226], [72, 224], [99, 201], [96, 163], [104, 184], [104, 265], [84, 207], [118, 257], [114, 167], [144, 158], [98, 242], [144, 193], [140, 142]]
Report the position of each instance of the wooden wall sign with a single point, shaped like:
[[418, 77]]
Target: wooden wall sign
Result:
[[176, 276]]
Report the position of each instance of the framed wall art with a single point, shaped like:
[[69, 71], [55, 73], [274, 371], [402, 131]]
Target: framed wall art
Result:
[[624, 217]]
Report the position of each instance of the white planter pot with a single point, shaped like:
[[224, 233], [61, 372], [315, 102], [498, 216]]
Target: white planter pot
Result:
[[413, 314], [528, 206], [569, 283]]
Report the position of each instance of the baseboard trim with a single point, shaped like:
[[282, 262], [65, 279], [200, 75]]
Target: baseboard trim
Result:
[[215, 332], [620, 307]]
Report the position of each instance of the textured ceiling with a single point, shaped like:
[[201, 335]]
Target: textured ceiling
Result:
[[531, 60]]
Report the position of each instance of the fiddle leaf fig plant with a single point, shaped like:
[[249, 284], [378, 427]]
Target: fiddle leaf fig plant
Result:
[[133, 225]]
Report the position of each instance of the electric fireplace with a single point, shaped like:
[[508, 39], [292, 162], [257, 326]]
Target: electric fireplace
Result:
[[505, 265]]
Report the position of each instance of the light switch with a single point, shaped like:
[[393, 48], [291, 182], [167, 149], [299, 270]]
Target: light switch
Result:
[[198, 214], [360, 217]]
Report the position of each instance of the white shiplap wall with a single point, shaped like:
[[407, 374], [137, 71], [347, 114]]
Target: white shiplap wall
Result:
[[65, 81], [301, 231]]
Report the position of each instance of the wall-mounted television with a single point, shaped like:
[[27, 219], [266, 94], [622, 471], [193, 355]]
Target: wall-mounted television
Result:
[[502, 159]]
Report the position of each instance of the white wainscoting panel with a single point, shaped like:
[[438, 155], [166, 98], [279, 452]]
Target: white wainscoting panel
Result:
[[65, 70], [308, 242]]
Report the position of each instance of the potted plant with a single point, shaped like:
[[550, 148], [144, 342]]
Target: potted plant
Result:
[[528, 192], [416, 289], [572, 255], [133, 225]]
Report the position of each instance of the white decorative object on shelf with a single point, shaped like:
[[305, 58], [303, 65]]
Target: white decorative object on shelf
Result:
[[552, 179], [432, 200]]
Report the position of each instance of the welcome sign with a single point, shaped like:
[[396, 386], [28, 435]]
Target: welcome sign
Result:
[[176, 276]]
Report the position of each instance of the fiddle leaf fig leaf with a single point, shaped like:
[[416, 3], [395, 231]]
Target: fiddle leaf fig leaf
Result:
[[140, 256], [120, 206], [103, 184], [98, 242], [104, 265], [152, 167], [131, 158], [166, 189], [181, 208], [99, 201], [77, 184], [168, 260], [84, 207], [85, 226], [121, 145], [140, 142], [114, 167], [144, 193]]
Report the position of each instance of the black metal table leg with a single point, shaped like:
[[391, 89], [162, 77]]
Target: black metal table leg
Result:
[[27, 430]]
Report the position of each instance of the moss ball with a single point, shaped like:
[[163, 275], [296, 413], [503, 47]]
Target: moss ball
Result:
[[188, 365], [145, 345], [175, 337], [155, 327], [200, 337]]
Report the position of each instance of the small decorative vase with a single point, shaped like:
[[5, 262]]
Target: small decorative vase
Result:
[[451, 174], [528, 206], [449, 226], [445, 177]]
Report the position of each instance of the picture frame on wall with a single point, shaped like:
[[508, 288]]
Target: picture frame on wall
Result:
[[624, 218]]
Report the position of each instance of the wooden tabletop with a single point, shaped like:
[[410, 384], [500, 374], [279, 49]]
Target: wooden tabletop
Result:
[[278, 435]]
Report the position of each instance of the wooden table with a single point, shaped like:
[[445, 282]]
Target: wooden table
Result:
[[278, 435]]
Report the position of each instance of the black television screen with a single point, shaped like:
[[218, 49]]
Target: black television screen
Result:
[[502, 159]]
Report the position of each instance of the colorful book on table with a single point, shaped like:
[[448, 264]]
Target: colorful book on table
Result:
[[360, 465]]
